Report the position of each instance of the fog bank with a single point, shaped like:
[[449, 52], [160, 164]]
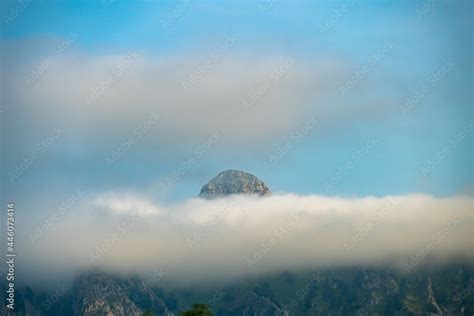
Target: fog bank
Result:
[[238, 236]]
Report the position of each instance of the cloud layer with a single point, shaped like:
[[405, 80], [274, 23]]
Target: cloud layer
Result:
[[197, 239], [250, 101]]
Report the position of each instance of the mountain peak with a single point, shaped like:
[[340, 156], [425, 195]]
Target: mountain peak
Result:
[[233, 182]]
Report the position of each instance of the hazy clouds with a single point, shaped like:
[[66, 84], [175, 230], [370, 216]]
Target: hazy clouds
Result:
[[252, 101], [241, 236]]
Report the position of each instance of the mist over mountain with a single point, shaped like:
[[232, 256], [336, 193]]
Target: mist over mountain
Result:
[[288, 266], [446, 289], [237, 158]]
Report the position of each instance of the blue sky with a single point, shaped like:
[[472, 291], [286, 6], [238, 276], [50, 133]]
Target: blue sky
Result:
[[330, 43]]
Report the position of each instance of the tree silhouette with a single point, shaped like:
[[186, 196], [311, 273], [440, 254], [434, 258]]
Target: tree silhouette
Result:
[[198, 310]]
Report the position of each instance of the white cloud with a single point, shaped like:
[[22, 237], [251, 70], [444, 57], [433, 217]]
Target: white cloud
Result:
[[221, 239], [112, 94], [125, 204]]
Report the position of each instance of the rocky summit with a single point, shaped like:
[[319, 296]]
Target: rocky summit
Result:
[[233, 182]]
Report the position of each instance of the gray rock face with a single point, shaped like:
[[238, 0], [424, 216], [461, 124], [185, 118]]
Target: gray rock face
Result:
[[97, 294], [233, 182]]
